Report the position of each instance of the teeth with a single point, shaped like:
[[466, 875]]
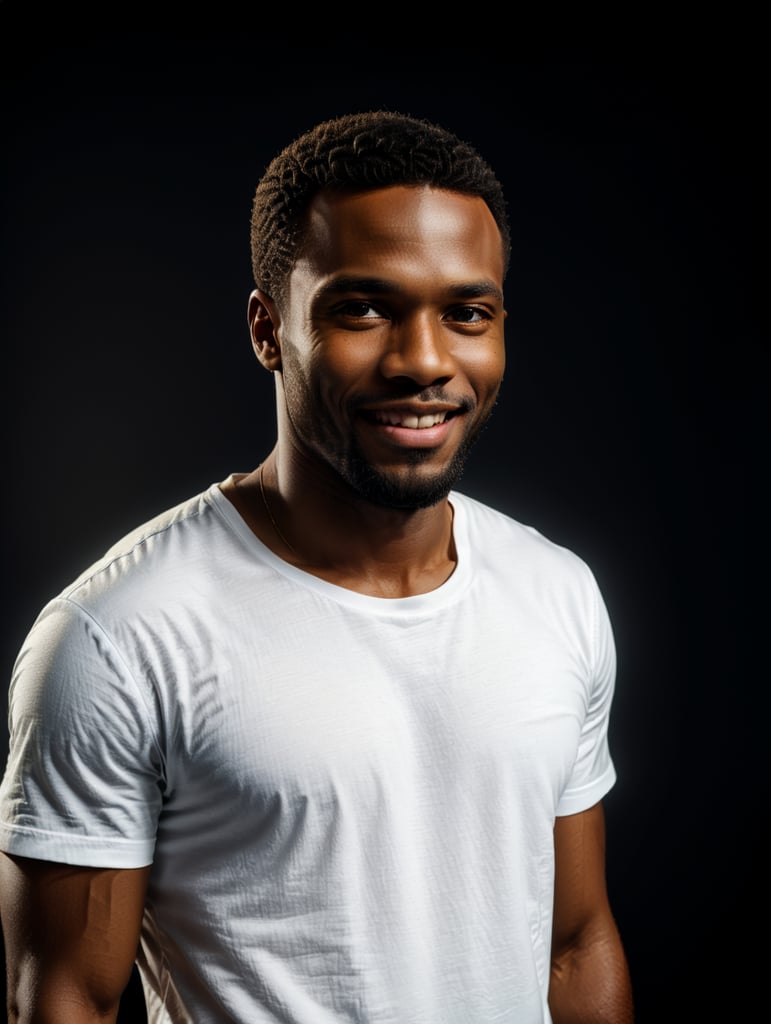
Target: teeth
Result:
[[396, 419]]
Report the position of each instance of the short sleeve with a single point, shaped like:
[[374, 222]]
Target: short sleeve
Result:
[[83, 782], [594, 773]]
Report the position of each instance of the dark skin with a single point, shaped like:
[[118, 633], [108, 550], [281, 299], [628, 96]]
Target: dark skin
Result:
[[590, 978], [71, 936], [388, 354], [379, 313]]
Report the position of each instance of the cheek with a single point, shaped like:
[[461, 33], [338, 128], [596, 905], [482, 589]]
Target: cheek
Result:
[[484, 368], [347, 363]]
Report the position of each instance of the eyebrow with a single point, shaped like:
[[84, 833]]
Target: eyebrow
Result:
[[382, 286]]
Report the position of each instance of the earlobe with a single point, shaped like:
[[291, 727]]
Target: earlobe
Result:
[[263, 327]]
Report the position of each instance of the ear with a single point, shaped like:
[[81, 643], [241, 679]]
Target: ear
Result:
[[264, 321]]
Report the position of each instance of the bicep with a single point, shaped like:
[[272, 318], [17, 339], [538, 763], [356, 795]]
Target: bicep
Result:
[[71, 936], [589, 972], [580, 891]]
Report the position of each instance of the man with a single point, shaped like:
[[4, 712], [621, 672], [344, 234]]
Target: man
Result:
[[329, 740]]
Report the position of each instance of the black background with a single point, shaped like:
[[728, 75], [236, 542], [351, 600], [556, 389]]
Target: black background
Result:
[[632, 422]]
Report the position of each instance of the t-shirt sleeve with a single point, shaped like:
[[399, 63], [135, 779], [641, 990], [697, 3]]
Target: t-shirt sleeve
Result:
[[83, 782], [594, 773]]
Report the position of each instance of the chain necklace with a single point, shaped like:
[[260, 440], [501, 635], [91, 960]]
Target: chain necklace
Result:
[[270, 514]]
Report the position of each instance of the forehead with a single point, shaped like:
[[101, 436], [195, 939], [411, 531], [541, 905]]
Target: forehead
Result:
[[399, 230]]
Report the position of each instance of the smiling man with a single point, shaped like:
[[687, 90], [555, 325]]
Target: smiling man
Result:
[[388, 356], [328, 742]]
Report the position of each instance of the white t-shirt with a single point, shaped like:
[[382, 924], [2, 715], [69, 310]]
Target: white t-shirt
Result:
[[348, 801]]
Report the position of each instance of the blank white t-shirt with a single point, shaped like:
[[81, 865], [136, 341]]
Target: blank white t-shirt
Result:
[[348, 801]]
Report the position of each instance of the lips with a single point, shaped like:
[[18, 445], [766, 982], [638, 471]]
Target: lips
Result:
[[408, 419], [410, 427]]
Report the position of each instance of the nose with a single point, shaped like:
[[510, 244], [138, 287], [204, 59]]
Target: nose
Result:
[[420, 351]]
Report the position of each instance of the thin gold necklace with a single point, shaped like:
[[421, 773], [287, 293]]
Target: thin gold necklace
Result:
[[270, 514]]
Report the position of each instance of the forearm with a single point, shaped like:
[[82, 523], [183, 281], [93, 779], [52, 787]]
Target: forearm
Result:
[[591, 985]]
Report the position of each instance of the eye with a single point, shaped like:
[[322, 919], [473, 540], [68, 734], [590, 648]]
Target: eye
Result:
[[468, 314], [358, 309]]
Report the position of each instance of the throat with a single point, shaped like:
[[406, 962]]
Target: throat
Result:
[[379, 584], [417, 561], [382, 552]]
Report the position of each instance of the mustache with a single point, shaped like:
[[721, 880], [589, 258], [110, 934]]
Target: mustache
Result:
[[432, 393]]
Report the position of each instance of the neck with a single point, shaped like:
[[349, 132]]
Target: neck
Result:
[[313, 522]]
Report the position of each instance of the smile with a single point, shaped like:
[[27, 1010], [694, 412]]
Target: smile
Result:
[[409, 420]]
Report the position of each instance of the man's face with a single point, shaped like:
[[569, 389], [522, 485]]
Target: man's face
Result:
[[392, 347]]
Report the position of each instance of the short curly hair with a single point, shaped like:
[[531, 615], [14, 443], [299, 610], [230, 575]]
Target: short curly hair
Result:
[[358, 152]]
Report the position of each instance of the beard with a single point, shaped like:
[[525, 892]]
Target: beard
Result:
[[413, 491], [396, 489]]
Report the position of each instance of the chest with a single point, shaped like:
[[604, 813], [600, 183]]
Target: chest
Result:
[[249, 712]]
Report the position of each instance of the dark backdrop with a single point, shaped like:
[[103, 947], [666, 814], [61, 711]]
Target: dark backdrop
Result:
[[632, 420]]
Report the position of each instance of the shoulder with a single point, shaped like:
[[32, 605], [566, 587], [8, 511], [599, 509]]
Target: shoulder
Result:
[[497, 538], [152, 555], [541, 583], [140, 597]]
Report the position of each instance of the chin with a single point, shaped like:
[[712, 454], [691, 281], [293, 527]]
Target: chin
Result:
[[411, 491]]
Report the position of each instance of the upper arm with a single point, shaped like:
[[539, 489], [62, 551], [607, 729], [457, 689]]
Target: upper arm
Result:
[[580, 892], [589, 974], [71, 936]]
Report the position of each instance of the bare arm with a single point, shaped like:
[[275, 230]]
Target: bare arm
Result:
[[71, 935], [590, 982]]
